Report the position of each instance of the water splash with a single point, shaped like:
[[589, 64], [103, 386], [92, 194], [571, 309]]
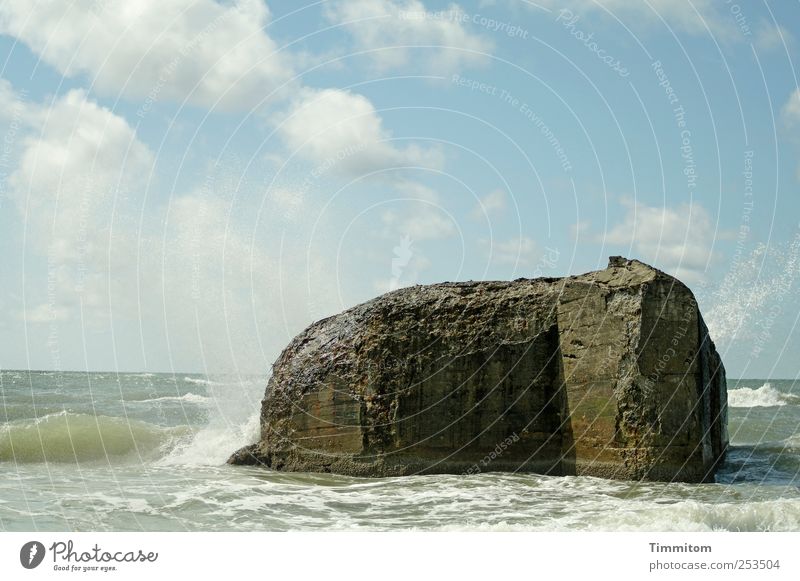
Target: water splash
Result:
[[764, 396], [743, 308]]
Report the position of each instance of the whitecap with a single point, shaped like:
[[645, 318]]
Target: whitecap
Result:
[[198, 381], [185, 398], [764, 396]]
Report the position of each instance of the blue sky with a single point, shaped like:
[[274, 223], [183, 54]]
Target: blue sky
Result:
[[185, 185]]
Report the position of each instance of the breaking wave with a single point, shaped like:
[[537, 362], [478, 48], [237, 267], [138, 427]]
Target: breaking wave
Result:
[[198, 381], [186, 398], [71, 437], [764, 396]]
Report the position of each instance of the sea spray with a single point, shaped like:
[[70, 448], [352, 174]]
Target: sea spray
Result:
[[756, 281], [764, 396], [233, 420]]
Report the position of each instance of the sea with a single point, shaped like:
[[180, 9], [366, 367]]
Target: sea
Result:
[[146, 452]]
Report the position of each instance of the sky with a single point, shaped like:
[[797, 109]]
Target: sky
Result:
[[186, 184]]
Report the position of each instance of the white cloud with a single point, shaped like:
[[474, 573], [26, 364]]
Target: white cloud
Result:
[[223, 293], [198, 50], [46, 313], [76, 162], [791, 109], [418, 216], [193, 278], [429, 224], [519, 251], [79, 164], [421, 216], [288, 203], [679, 240], [11, 103], [421, 221], [340, 131], [493, 202], [213, 54], [388, 28], [770, 36]]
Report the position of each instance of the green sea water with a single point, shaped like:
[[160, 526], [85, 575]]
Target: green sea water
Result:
[[141, 451]]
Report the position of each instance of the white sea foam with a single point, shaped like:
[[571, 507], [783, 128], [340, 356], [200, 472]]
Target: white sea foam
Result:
[[233, 421], [792, 443], [186, 398], [214, 443], [688, 515], [764, 396], [198, 381]]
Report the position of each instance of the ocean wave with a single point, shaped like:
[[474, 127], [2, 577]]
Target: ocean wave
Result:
[[764, 396], [185, 398], [214, 443], [792, 442], [233, 421], [198, 381], [688, 515], [73, 437]]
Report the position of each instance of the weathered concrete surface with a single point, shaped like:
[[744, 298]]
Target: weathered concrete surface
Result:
[[610, 373]]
